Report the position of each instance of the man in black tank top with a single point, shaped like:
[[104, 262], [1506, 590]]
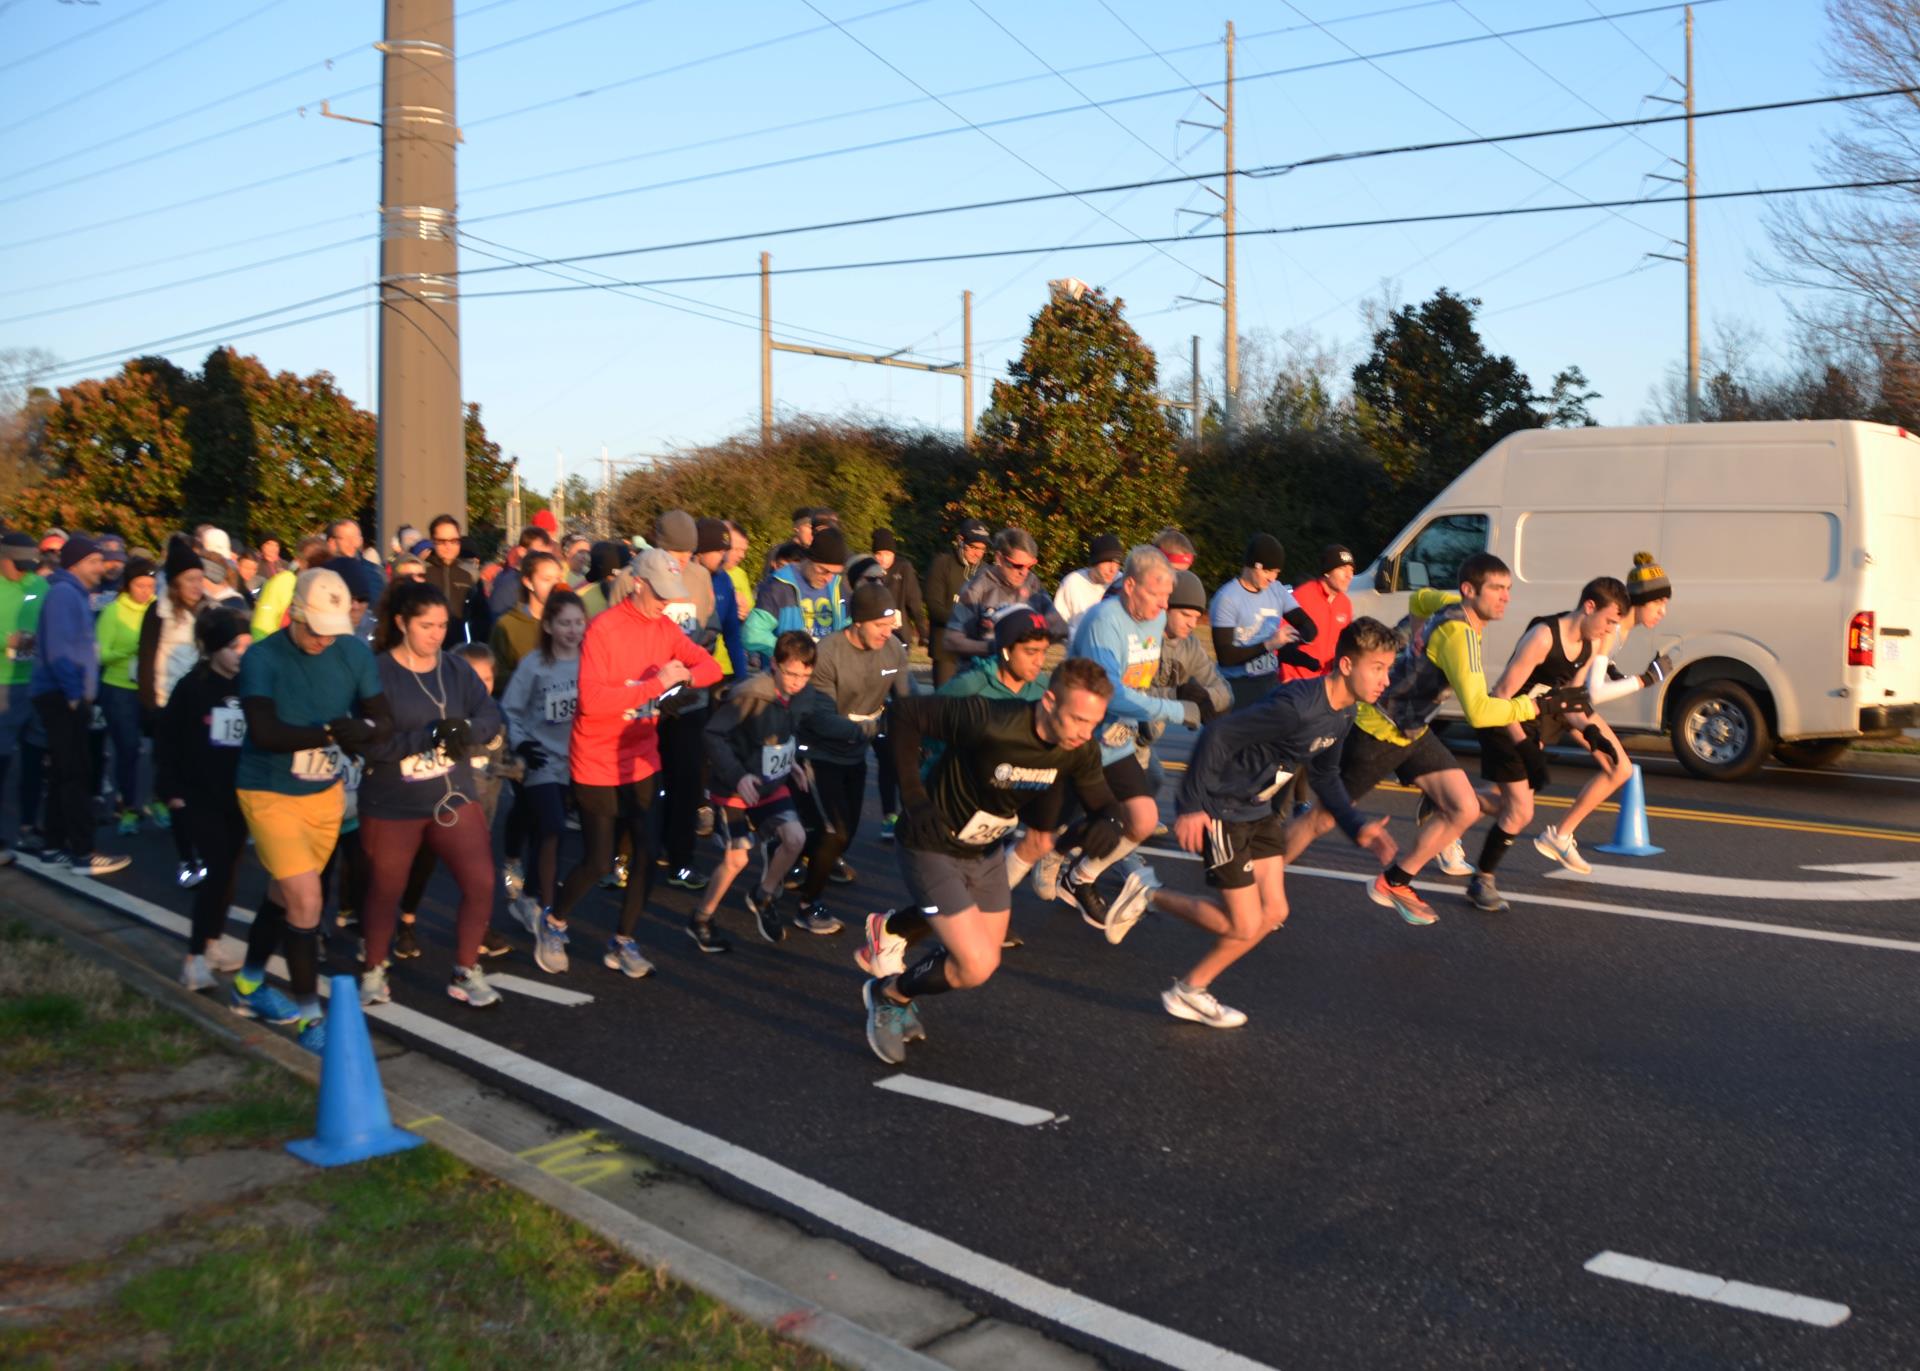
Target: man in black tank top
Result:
[[1552, 653]]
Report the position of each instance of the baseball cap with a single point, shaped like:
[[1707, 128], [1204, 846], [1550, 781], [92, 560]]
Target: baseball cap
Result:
[[975, 531], [320, 601], [1188, 593], [1106, 548], [871, 601], [112, 546], [1019, 624], [215, 543], [656, 568]]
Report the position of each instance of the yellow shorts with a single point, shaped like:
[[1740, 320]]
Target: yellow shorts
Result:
[[294, 834]]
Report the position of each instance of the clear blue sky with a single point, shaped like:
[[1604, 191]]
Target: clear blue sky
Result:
[[146, 104]]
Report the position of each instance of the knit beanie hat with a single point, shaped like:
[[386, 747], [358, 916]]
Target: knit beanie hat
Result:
[[1647, 582], [1106, 548], [1334, 556], [181, 558], [829, 547], [218, 627], [675, 531], [1265, 550], [1188, 593], [710, 535], [136, 568], [76, 549], [883, 540]]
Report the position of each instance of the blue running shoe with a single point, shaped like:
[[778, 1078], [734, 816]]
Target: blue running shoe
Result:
[[264, 1003], [889, 1025], [312, 1035]]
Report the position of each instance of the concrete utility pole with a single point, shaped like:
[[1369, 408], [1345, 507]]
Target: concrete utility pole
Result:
[[422, 445], [766, 353], [966, 372], [559, 490], [1193, 394], [1693, 250], [1230, 289]]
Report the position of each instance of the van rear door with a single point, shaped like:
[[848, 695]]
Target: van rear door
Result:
[[1890, 477]]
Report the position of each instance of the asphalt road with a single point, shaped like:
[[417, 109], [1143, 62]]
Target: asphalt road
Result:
[[1417, 1143]]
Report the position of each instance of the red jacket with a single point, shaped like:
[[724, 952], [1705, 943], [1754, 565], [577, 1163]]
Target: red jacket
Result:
[[615, 724], [1331, 612]]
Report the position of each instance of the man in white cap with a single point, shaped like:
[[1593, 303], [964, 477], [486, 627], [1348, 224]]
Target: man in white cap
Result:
[[310, 695]]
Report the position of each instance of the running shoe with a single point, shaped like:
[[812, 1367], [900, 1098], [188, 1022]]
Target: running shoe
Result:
[[623, 955], [1401, 899], [469, 986], [98, 864], [616, 879], [813, 918], [1135, 898], [31, 841], [373, 986], [890, 1026], [312, 1035], [406, 943], [525, 911], [1046, 875], [189, 874], [161, 816], [686, 878], [842, 874], [129, 822], [264, 1003], [796, 877], [766, 913], [881, 953], [1485, 896], [220, 959], [196, 975], [706, 937], [1199, 1006], [493, 945], [1563, 849], [1092, 904], [1453, 859], [887, 825], [549, 944], [514, 877], [703, 822]]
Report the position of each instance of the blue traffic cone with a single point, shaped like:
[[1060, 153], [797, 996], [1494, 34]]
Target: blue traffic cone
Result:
[[1630, 836], [354, 1124]]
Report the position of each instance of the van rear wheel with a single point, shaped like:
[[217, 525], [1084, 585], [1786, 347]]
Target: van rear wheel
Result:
[[1720, 732], [1813, 753]]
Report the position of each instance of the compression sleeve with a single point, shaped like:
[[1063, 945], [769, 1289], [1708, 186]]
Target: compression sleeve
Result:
[[1602, 687], [1455, 649], [266, 732], [1228, 654]]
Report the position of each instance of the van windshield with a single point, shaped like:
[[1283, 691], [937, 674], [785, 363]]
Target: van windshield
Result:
[[1433, 558]]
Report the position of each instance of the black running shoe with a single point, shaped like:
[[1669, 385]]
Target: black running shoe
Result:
[[405, 944], [813, 918], [686, 878], [493, 945], [1093, 905], [766, 914], [842, 874], [706, 937]]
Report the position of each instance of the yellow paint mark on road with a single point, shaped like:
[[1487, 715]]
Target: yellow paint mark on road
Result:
[[423, 1121]]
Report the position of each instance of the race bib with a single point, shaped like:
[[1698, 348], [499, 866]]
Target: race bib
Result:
[[560, 702], [776, 760], [1263, 665], [317, 763], [425, 766], [226, 726], [1119, 734], [1280, 778], [984, 828], [684, 615]]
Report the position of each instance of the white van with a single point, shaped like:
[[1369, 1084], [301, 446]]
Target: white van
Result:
[[1794, 552]]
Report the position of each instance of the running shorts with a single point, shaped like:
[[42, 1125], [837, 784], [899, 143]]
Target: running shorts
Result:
[[1365, 760], [1233, 848], [294, 834], [1505, 762], [1127, 779], [941, 884], [736, 828]]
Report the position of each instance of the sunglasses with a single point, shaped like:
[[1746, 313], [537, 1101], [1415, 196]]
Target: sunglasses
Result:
[[1012, 565]]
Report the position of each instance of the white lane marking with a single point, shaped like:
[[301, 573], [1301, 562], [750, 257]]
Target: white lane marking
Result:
[[1819, 935], [539, 990], [1886, 881], [1757, 1299], [1043, 1299], [993, 1106]]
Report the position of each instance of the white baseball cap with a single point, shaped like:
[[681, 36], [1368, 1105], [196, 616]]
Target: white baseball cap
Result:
[[215, 543], [320, 601]]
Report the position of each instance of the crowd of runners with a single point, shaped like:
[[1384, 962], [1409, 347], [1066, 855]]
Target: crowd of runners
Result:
[[359, 720]]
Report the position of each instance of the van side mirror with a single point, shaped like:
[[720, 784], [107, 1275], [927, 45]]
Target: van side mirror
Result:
[[1383, 575]]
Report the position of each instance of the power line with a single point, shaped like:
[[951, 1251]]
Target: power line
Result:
[[120, 18], [213, 335], [1658, 64]]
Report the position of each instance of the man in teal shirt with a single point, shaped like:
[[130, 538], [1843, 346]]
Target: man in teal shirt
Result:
[[22, 592]]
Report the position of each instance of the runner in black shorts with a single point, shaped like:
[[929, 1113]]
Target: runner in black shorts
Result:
[[1238, 773], [1002, 759]]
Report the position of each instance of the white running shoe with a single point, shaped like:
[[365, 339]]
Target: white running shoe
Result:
[[373, 986], [196, 975], [220, 959], [1046, 875], [881, 954], [1453, 859], [1558, 847], [1200, 1007], [1132, 903], [469, 986]]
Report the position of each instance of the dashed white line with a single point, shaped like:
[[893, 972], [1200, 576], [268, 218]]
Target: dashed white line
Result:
[[1699, 1285], [1027, 1115], [539, 990]]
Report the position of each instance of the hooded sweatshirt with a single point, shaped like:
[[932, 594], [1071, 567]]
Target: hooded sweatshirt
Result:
[[787, 603]]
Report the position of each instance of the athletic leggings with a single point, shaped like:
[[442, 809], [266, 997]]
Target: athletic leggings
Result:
[[606, 811], [683, 763], [219, 832], [884, 773], [464, 847], [547, 807], [349, 864], [838, 790]]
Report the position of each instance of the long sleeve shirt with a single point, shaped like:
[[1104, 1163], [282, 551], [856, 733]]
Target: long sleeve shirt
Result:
[[66, 654], [1244, 759], [118, 632], [538, 706], [20, 604], [408, 775], [983, 597], [1331, 612], [1184, 661], [731, 652], [1128, 650], [616, 727], [751, 734], [1442, 653], [851, 687], [196, 742]]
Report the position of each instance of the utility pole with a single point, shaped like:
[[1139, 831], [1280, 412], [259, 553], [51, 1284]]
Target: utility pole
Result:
[[766, 353], [1193, 394], [513, 506], [559, 490], [1232, 348], [422, 443], [603, 499], [966, 367], [1693, 251]]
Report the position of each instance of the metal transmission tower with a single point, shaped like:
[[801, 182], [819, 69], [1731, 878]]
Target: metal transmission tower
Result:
[[1689, 180], [423, 466], [1229, 284]]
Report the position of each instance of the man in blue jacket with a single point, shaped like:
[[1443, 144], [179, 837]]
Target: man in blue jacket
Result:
[[66, 678]]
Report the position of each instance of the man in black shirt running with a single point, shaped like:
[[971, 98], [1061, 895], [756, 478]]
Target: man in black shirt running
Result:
[[1003, 759]]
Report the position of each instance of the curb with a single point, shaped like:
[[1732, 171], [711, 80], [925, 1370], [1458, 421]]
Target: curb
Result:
[[752, 1297]]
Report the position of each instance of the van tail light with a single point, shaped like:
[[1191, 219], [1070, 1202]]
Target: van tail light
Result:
[[1860, 639]]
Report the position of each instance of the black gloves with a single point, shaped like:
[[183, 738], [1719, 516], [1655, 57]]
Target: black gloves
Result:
[[534, 755], [453, 737], [1657, 670], [1195, 694], [1602, 745], [1103, 837], [351, 732], [1566, 700]]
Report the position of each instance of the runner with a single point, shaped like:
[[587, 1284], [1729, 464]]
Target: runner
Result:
[[118, 632], [517, 632], [903, 583], [1079, 591], [1186, 671], [538, 707], [1001, 758], [1552, 653], [1257, 622], [308, 693], [1324, 601], [946, 574], [683, 752], [1226, 810], [270, 605], [23, 592], [633, 660], [714, 552], [446, 565], [858, 671], [750, 760], [1007, 580], [1392, 736], [419, 789], [803, 596], [196, 756]]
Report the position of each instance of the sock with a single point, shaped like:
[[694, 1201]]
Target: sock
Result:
[[310, 1011], [263, 939], [1017, 868], [1088, 869], [1397, 875], [1498, 841], [303, 963], [248, 979], [928, 976]]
